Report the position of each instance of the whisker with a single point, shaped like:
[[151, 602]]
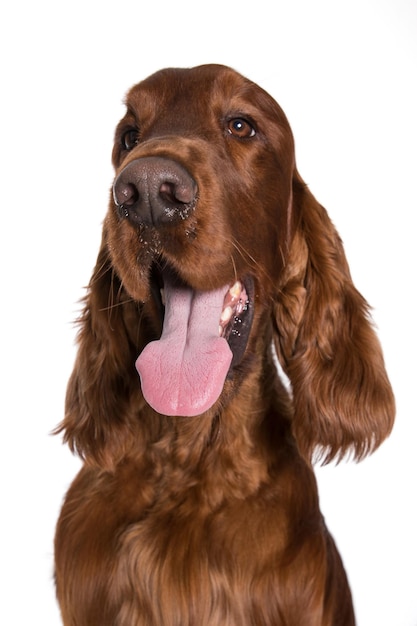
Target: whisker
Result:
[[248, 258], [99, 273], [114, 298], [234, 268], [114, 305]]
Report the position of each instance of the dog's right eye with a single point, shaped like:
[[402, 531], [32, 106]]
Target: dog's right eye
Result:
[[130, 138], [240, 128]]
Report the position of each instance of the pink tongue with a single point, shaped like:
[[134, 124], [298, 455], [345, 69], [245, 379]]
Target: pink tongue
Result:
[[184, 372]]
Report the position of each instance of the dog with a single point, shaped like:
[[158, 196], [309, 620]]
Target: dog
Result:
[[197, 503]]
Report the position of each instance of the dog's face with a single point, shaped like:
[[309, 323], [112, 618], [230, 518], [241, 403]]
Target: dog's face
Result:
[[234, 142], [201, 199]]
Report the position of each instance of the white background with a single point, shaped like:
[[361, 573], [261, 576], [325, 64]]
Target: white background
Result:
[[345, 73]]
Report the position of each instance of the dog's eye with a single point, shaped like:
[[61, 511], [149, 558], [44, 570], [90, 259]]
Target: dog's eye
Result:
[[130, 138], [240, 128]]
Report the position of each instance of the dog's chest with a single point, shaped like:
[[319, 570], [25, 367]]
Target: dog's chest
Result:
[[190, 566]]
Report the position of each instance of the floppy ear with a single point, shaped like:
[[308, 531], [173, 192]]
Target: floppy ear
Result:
[[343, 402], [99, 421]]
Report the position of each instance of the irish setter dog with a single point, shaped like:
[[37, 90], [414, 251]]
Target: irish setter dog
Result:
[[197, 504]]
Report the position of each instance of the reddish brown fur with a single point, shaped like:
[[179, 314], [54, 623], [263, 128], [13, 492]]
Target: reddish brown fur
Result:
[[214, 520]]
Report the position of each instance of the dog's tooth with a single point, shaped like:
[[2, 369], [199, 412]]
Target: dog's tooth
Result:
[[236, 289], [162, 291], [226, 314], [241, 305]]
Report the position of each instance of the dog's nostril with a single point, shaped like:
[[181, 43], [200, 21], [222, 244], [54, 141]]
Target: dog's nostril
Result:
[[125, 194], [167, 191], [175, 192], [130, 195]]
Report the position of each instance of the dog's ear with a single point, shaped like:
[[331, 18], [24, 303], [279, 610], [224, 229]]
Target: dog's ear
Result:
[[326, 344], [98, 422]]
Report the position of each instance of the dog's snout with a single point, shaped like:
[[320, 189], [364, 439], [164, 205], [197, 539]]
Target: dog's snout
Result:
[[154, 190]]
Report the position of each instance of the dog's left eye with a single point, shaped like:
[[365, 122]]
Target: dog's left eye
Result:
[[130, 138], [240, 128]]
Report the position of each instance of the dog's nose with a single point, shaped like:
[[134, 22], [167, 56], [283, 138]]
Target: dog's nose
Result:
[[154, 190]]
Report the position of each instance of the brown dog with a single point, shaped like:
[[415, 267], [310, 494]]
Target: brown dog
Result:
[[197, 504]]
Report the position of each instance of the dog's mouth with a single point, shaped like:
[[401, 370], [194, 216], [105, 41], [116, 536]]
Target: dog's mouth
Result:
[[204, 336]]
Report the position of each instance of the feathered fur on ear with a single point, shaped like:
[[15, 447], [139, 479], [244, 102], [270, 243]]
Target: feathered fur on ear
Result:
[[104, 387], [343, 402]]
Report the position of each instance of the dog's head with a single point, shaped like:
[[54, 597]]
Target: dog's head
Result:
[[212, 244]]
